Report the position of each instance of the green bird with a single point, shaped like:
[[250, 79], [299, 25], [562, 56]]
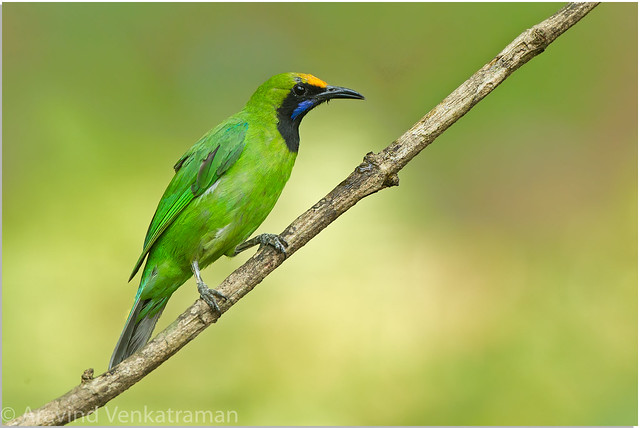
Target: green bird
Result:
[[223, 189]]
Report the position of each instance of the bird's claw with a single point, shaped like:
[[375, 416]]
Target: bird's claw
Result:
[[271, 239], [209, 296], [275, 241]]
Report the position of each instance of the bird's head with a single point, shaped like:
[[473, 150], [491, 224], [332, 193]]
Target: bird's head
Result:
[[292, 96]]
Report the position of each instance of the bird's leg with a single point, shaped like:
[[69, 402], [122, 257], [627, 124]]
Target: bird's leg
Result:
[[208, 294], [276, 241]]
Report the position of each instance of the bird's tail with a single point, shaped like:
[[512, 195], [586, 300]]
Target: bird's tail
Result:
[[136, 331]]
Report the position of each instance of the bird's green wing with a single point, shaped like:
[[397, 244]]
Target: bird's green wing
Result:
[[197, 170]]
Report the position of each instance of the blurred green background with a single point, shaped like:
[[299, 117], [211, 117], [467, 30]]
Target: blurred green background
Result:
[[496, 285]]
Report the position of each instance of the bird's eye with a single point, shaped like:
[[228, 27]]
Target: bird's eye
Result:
[[299, 90]]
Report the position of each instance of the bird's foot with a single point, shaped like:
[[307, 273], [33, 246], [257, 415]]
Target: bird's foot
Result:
[[209, 296], [271, 239]]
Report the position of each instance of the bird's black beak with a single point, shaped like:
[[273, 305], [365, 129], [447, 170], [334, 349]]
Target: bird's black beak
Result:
[[332, 92]]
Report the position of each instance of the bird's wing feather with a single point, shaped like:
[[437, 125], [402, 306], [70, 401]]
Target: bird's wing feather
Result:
[[196, 171]]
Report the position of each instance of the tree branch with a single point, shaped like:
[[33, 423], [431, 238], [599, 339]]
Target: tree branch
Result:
[[375, 173]]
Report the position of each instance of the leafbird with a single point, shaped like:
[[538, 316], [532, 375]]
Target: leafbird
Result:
[[224, 187]]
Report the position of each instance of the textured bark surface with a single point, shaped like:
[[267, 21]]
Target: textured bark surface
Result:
[[375, 173]]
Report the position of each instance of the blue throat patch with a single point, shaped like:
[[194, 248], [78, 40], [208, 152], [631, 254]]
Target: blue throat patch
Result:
[[302, 107]]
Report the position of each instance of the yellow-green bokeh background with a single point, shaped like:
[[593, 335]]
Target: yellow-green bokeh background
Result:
[[496, 285]]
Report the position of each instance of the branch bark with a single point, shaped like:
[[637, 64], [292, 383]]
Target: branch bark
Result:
[[376, 172]]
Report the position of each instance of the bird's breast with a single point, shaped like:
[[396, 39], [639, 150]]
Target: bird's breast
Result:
[[236, 204]]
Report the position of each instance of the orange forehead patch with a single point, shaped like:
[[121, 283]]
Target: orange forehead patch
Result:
[[313, 80]]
